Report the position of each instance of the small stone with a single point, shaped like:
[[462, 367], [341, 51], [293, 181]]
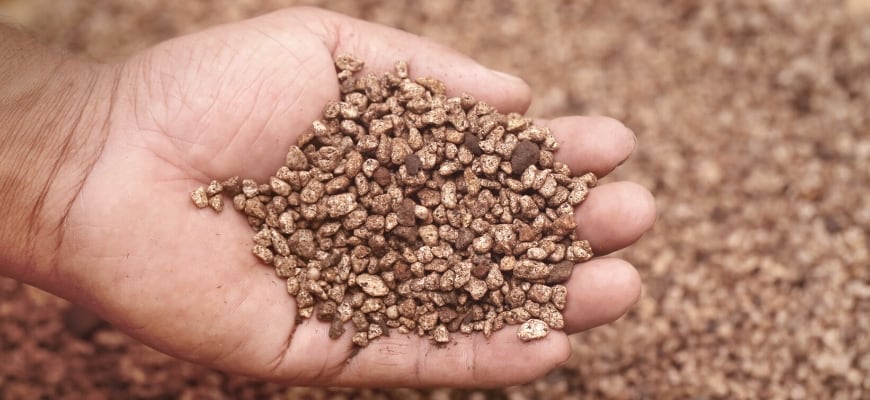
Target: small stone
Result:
[[382, 176], [564, 225], [371, 305], [464, 239], [302, 243], [81, 322], [429, 235], [279, 187], [536, 253], [427, 321], [552, 316], [472, 143], [560, 273], [312, 192], [405, 212], [239, 202], [232, 186], [412, 164], [372, 285], [448, 195], [440, 334], [199, 197], [532, 329], [559, 296], [263, 253], [530, 269], [476, 288], [340, 204], [482, 244], [579, 250], [216, 203], [336, 328], [494, 279], [360, 339], [250, 188], [517, 315], [480, 271], [375, 330], [489, 164], [526, 153], [293, 286], [348, 62], [255, 208], [325, 311], [214, 187], [406, 233], [540, 293]]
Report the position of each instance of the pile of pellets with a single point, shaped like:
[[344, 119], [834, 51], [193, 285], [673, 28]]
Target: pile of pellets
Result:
[[405, 209]]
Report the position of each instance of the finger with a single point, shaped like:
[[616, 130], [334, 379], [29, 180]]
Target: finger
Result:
[[380, 47], [591, 144], [468, 360], [600, 291], [615, 215]]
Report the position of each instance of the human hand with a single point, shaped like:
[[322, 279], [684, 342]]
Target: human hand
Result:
[[230, 101]]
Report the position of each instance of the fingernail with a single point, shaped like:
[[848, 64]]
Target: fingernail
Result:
[[507, 76], [633, 148]]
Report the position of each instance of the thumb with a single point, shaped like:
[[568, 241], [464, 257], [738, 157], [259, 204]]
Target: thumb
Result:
[[380, 47]]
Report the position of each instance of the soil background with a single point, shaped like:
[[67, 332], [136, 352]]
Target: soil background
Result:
[[753, 120]]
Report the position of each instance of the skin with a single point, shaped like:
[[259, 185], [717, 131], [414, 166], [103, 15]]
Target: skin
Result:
[[112, 152]]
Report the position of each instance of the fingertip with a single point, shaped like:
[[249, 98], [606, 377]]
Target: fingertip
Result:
[[642, 216], [517, 91], [606, 289], [628, 278], [615, 215], [595, 144], [647, 201], [616, 135]]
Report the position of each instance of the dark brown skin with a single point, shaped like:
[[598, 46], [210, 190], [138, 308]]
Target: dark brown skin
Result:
[[97, 162]]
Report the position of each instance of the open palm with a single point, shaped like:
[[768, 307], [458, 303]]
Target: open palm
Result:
[[229, 101]]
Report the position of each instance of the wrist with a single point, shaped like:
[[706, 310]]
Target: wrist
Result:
[[53, 115]]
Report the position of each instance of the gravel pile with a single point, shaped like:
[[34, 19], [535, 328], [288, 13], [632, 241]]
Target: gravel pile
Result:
[[404, 209], [753, 133]]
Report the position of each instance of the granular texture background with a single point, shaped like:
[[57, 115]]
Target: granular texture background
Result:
[[752, 118]]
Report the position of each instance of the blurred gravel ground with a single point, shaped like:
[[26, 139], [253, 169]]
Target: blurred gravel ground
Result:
[[754, 133]]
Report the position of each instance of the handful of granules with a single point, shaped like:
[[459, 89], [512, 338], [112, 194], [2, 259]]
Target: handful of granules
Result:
[[405, 209]]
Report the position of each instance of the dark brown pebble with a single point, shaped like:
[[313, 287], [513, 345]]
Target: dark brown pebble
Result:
[[407, 233], [401, 271], [412, 164], [326, 311], [232, 186], [405, 212], [525, 154], [81, 322], [472, 142], [463, 239], [384, 327], [446, 314], [331, 260], [561, 273], [480, 270], [382, 176], [454, 324], [336, 328]]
